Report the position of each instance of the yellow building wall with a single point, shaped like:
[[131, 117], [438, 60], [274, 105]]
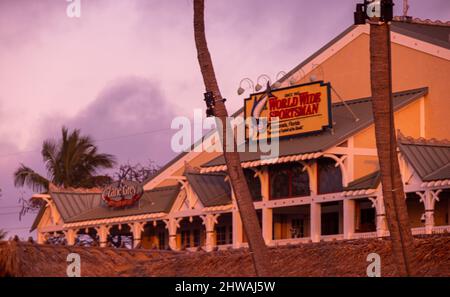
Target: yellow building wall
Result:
[[406, 120], [348, 70], [349, 73], [364, 165]]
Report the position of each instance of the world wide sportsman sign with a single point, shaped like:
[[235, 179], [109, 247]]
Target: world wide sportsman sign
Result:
[[289, 111]]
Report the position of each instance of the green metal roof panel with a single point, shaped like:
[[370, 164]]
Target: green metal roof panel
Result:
[[211, 189], [434, 34], [75, 207], [429, 158], [370, 181]]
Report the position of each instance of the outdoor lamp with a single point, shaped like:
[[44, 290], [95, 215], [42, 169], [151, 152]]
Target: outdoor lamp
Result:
[[250, 83], [258, 86], [360, 14], [378, 9], [277, 84], [209, 99], [387, 10]]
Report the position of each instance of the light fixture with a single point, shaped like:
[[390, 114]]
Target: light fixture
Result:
[[279, 76], [297, 77], [210, 104], [250, 83], [258, 86]]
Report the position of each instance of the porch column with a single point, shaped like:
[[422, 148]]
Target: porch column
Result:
[[266, 213], [70, 235], [315, 214], [237, 229], [172, 225], [378, 203], [137, 229], [102, 233], [429, 199], [40, 237], [267, 225], [349, 218], [210, 221]]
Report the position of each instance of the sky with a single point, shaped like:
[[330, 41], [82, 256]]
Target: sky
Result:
[[124, 69]]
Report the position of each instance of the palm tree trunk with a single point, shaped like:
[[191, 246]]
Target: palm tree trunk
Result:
[[258, 249], [393, 193]]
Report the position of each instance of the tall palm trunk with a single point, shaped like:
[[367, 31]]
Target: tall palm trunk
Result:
[[393, 193], [259, 251]]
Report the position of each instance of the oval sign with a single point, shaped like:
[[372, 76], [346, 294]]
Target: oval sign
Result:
[[124, 193]]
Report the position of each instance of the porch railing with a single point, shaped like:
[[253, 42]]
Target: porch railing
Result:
[[441, 229], [364, 235], [332, 237], [287, 241]]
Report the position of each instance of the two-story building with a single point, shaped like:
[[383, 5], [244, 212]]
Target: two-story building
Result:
[[323, 186]]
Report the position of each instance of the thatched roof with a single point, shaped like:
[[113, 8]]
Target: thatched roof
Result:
[[339, 258]]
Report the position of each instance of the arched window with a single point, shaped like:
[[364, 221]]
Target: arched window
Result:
[[288, 180], [329, 176], [254, 184], [300, 182]]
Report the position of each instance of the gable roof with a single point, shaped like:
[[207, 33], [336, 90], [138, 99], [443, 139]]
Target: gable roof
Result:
[[82, 206], [369, 181], [428, 31], [431, 32], [211, 189], [344, 127], [436, 33], [429, 158], [38, 218]]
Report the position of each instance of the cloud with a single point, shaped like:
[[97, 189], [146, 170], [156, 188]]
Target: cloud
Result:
[[130, 119]]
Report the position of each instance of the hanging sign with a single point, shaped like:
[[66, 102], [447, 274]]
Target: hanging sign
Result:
[[289, 111], [122, 193]]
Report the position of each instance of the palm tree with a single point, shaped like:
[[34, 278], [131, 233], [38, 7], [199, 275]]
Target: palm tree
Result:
[[73, 161], [393, 193], [259, 252]]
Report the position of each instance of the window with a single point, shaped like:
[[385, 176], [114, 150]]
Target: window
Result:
[[300, 182], [288, 181], [297, 227], [222, 235], [329, 176], [254, 184], [367, 220]]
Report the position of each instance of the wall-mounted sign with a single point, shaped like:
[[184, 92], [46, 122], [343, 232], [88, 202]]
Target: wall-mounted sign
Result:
[[289, 111], [124, 193]]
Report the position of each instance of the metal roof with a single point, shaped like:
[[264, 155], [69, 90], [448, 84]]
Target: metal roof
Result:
[[370, 181], [211, 189], [429, 158], [75, 207], [434, 34], [38, 218], [344, 126]]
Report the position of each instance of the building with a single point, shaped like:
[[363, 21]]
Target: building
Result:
[[324, 186]]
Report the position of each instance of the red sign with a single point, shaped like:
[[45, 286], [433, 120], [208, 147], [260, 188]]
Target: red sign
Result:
[[124, 193]]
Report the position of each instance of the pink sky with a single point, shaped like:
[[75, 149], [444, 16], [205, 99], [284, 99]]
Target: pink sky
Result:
[[138, 56]]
